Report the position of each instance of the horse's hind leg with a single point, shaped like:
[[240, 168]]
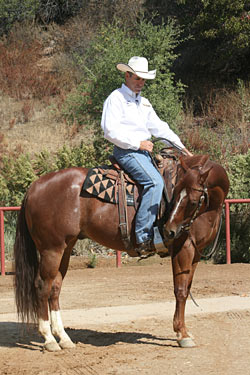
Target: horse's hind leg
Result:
[[49, 265], [184, 265], [56, 320]]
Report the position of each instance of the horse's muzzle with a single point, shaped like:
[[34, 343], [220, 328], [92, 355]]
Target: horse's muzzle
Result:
[[171, 234]]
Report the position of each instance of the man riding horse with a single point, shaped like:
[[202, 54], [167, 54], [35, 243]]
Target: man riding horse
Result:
[[129, 121], [56, 211]]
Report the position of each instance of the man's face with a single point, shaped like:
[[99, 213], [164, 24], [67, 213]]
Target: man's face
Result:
[[134, 82]]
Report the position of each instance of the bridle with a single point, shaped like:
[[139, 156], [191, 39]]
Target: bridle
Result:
[[186, 227], [204, 197]]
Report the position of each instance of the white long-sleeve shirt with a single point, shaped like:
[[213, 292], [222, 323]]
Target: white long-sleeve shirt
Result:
[[128, 119]]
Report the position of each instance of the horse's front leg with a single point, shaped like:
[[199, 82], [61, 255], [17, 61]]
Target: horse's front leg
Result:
[[183, 265]]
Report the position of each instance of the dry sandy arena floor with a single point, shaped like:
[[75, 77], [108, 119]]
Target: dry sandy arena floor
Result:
[[121, 322]]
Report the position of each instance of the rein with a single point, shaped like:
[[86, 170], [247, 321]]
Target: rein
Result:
[[212, 251]]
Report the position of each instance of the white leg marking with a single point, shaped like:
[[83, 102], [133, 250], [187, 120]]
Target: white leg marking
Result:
[[44, 329], [57, 324], [182, 195], [58, 330]]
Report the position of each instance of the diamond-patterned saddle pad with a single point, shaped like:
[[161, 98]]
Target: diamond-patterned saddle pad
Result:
[[97, 183]]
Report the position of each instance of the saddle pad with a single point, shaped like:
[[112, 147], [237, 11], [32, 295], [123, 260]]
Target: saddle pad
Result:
[[99, 185]]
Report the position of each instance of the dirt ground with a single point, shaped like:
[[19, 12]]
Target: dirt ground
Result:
[[143, 344]]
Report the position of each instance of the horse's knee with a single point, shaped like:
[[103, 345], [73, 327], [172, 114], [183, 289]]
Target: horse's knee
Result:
[[41, 289], [54, 298], [43, 292], [39, 283], [55, 290], [181, 293]]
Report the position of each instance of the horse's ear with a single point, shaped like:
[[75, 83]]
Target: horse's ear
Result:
[[204, 159], [204, 172], [183, 164], [204, 168]]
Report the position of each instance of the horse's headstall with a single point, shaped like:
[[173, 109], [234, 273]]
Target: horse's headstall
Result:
[[204, 197]]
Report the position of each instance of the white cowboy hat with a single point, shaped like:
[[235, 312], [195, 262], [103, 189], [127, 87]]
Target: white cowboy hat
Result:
[[139, 66]]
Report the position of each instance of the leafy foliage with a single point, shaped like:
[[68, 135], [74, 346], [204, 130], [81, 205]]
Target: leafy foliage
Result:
[[80, 156], [114, 44], [219, 48], [57, 10], [218, 53], [46, 11], [222, 130], [12, 11], [16, 176], [18, 173], [239, 174]]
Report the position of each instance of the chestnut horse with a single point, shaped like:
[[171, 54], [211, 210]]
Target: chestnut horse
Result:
[[55, 213]]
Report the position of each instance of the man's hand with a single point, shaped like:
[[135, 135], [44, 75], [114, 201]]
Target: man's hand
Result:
[[146, 146], [187, 152]]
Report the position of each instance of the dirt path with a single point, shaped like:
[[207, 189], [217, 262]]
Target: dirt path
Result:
[[121, 321]]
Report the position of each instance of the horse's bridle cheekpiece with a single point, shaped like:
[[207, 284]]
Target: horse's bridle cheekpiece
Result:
[[204, 196]]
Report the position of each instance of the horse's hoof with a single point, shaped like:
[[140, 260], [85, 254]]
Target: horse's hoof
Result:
[[186, 342], [52, 346], [67, 344]]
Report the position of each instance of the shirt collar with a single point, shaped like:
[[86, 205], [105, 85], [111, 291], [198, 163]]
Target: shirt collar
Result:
[[131, 93]]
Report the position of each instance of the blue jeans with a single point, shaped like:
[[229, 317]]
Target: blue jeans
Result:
[[140, 167]]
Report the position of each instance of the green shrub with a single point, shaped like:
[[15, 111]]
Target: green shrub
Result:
[[10, 219], [16, 176], [92, 261], [4, 191], [219, 49], [57, 10], [17, 173], [115, 44], [12, 11], [223, 128], [44, 163], [239, 238], [239, 176], [78, 156], [45, 11]]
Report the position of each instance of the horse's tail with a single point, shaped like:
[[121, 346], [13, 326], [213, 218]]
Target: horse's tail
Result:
[[26, 267]]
